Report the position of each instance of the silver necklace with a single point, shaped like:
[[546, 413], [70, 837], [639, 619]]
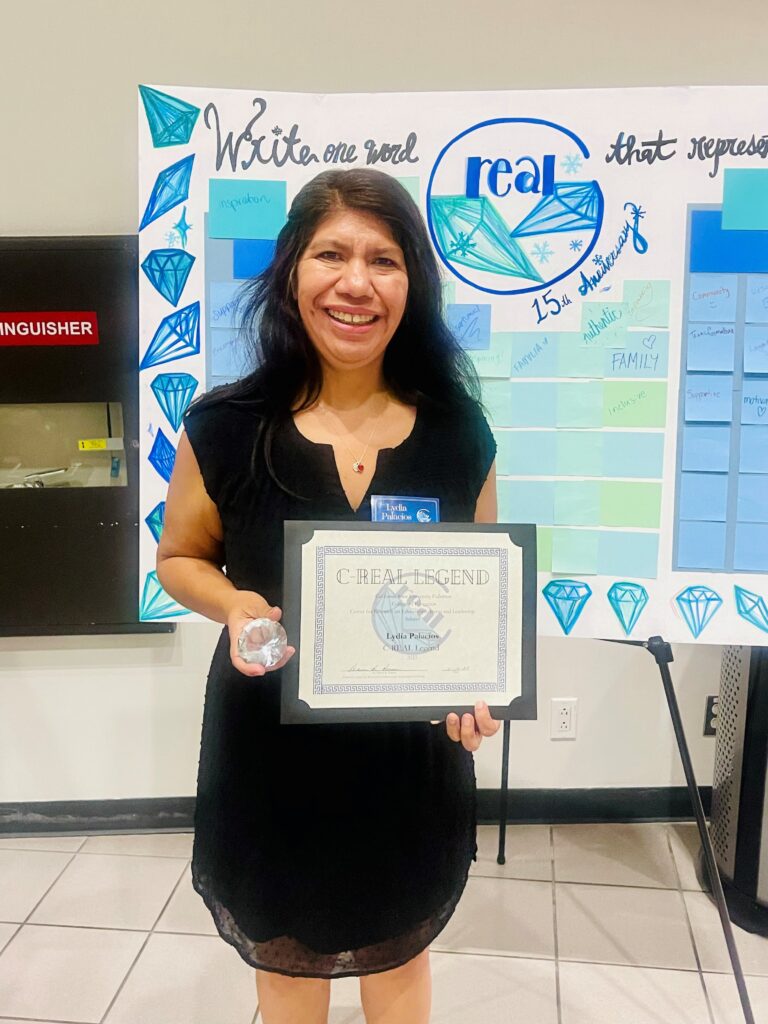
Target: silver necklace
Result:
[[358, 466]]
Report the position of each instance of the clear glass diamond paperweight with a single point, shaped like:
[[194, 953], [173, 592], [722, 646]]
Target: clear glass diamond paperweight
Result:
[[262, 642]]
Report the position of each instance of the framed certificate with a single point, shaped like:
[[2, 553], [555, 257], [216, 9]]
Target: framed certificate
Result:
[[397, 622]]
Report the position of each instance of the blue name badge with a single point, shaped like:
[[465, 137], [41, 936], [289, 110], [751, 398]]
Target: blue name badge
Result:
[[392, 508]]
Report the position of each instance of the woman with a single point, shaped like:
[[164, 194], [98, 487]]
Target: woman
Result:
[[328, 850]]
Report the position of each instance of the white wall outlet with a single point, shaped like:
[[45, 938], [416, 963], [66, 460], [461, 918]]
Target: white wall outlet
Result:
[[562, 718]]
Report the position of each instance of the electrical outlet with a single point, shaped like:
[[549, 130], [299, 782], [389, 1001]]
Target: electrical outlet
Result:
[[562, 718], [710, 716]]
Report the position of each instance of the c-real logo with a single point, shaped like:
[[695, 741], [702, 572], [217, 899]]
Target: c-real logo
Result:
[[511, 207]]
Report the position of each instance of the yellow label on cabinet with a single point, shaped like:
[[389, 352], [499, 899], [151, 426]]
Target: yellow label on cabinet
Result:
[[92, 444]]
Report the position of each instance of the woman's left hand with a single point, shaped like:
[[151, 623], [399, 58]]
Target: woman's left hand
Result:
[[470, 729]]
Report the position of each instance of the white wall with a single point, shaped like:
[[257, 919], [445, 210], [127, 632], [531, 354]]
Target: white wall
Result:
[[105, 717]]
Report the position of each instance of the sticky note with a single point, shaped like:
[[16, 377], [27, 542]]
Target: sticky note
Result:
[[412, 185], [604, 324], [745, 199], [634, 403], [579, 404], [448, 289], [543, 550], [532, 404], [251, 256], [526, 501], [575, 359], [700, 545], [713, 250], [525, 452], [225, 354], [533, 354], [756, 311], [497, 395], [647, 303], [754, 401], [703, 496], [751, 548], [493, 361], [575, 551], [628, 554], [753, 450], [630, 503], [752, 503], [710, 346], [645, 354], [577, 503], [712, 297], [706, 447], [470, 323], [245, 208], [219, 256], [579, 452], [708, 397], [223, 312], [632, 454], [756, 348]]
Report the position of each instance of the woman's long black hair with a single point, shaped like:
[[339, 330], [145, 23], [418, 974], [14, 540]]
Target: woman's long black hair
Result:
[[423, 359]]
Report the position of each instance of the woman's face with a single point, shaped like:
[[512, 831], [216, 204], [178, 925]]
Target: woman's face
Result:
[[351, 289]]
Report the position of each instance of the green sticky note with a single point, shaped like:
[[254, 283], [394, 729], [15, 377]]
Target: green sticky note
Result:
[[580, 404], [632, 403], [543, 549], [625, 503], [575, 551], [579, 453], [494, 361], [412, 187], [604, 323], [246, 208], [647, 303], [449, 292], [745, 199], [574, 359], [577, 503], [497, 399]]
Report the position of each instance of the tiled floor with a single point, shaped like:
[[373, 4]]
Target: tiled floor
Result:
[[583, 925]]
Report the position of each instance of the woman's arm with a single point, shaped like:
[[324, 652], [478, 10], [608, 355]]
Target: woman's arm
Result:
[[486, 509]]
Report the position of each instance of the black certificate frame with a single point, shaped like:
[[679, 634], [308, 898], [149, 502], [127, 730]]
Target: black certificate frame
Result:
[[295, 711]]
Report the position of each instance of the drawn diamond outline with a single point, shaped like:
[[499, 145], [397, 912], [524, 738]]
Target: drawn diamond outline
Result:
[[171, 120], [567, 599], [156, 520], [697, 605], [162, 456], [155, 603], [752, 607], [171, 188], [628, 601], [573, 206], [177, 336], [168, 270], [174, 392]]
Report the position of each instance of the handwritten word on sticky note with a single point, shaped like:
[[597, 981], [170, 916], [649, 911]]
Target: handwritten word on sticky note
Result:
[[644, 355], [757, 299], [708, 397], [712, 297], [754, 401], [533, 355], [711, 346], [647, 303], [756, 348], [604, 323], [223, 311], [245, 209], [470, 323], [225, 354], [634, 403]]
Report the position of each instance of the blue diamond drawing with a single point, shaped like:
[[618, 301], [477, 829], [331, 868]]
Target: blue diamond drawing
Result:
[[698, 605], [162, 456], [168, 270], [177, 336], [473, 233], [171, 188], [171, 120], [573, 207], [567, 598], [752, 607], [174, 392], [155, 603], [627, 601], [156, 520]]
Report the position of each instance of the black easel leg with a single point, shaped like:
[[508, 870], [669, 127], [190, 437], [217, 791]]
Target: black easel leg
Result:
[[501, 859]]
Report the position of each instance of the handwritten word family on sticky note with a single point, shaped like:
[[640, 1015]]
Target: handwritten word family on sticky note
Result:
[[644, 355]]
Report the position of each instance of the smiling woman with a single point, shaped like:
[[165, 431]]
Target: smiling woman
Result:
[[328, 850]]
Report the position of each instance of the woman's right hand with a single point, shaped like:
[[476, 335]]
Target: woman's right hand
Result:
[[250, 605]]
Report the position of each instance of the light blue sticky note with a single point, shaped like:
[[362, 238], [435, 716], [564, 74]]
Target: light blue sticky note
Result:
[[753, 454], [526, 501], [700, 545], [756, 348], [533, 354], [225, 354], [751, 550], [712, 297], [633, 453], [708, 397], [647, 303], [745, 199], [703, 496], [470, 323], [577, 360], [493, 361], [752, 504], [706, 447], [711, 346], [575, 551], [245, 208], [532, 404], [448, 289], [604, 324], [525, 452], [757, 299], [580, 404], [223, 305], [580, 452], [219, 256], [577, 503], [497, 399], [754, 400], [628, 554], [645, 354], [411, 185]]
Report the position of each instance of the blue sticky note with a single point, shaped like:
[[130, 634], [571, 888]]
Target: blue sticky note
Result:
[[713, 250], [533, 354], [525, 452], [711, 346], [251, 256], [745, 199], [223, 312], [218, 256], [579, 403], [526, 501], [628, 555], [245, 208], [753, 453], [580, 452], [712, 297], [532, 404], [497, 399], [700, 545], [751, 549], [577, 503], [575, 551], [703, 496], [754, 400], [225, 354], [470, 323], [706, 447], [752, 503], [757, 299], [576, 360], [393, 508], [644, 355], [633, 453], [756, 348], [708, 397]]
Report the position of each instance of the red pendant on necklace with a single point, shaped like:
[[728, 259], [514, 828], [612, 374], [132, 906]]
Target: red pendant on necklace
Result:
[[358, 467]]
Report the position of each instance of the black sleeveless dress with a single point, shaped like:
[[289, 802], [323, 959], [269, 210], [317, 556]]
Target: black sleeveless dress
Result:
[[326, 850]]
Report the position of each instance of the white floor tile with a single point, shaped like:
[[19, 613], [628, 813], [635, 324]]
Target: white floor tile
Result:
[[492, 990], [64, 844], [506, 916], [710, 941], [527, 852], [25, 875], [157, 844], [103, 891], [618, 925], [7, 931], [614, 855], [607, 994], [186, 911], [685, 842], [187, 979], [726, 1005], [64, 974]]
